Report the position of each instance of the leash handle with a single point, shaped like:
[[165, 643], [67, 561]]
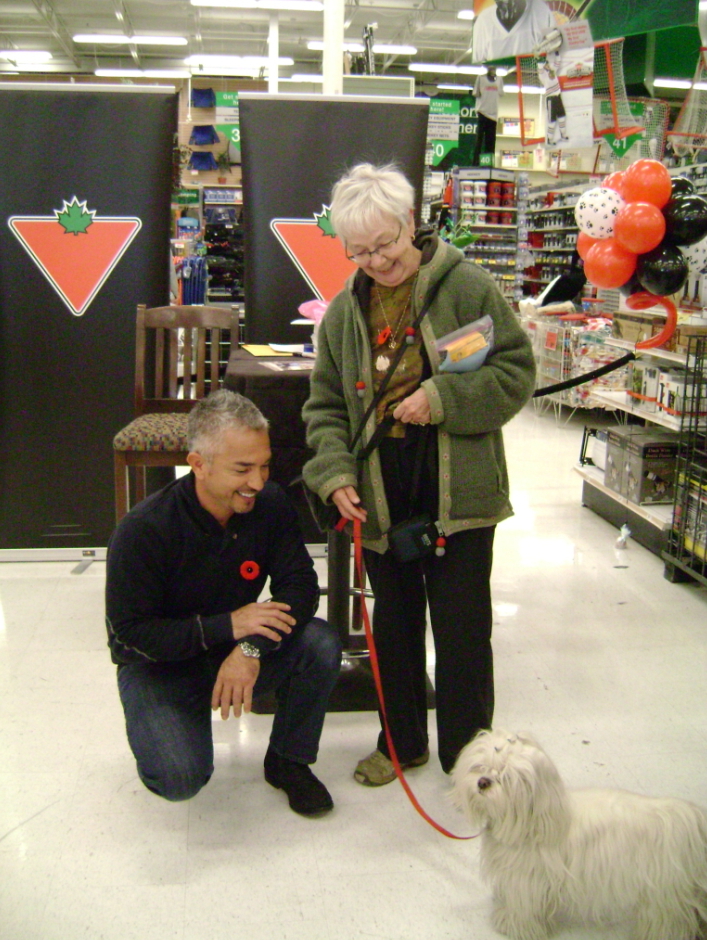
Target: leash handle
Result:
[[358, 559]]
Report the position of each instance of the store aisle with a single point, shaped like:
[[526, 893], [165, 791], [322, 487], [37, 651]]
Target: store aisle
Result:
[[597, 654]]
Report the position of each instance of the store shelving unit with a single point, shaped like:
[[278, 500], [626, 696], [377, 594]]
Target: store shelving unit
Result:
[[685, 555], [563, 351], [223, 236], [650, 525], [496, 246], [552, 234]]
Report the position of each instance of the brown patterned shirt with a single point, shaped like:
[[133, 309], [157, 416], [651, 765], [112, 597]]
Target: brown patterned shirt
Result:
[[391, 307]]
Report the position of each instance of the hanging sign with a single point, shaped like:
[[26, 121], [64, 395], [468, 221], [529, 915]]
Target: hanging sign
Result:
[[442, 128], [227, 120]]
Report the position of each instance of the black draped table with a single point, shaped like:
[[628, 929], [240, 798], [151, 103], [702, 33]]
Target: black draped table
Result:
[[280, 395]]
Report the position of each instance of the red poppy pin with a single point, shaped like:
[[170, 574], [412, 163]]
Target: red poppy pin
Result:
[[250, 570]]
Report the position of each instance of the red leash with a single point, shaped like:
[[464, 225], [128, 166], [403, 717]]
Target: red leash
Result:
[[358, 559]]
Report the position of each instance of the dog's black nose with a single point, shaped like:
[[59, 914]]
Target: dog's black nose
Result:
[[484, 783]]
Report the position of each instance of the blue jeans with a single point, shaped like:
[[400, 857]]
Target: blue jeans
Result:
[[168, 708]]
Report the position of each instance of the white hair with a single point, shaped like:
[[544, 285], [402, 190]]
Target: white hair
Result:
[[593, 855], [367, 196]]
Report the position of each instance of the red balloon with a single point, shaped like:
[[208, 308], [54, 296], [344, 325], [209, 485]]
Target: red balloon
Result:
[[639, 227], [609, 264], [647, 181], [646, 300], [614, 181], [584, 243]]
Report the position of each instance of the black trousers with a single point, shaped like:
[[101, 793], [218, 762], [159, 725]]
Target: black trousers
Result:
[[457, 588], [485, 137]]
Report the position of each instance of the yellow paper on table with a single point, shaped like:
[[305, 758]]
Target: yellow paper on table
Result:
[[256, 349]]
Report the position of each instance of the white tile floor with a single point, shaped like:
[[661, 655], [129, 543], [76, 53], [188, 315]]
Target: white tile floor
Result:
[[595, 652]]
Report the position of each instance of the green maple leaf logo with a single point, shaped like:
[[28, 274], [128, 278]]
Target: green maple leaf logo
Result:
[[324, 222], [74, 217]]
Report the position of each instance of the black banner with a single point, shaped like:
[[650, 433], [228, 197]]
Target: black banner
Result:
[[294, 148], [84, 238]]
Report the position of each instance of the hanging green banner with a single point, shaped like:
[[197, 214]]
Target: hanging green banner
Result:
[[442, 127]]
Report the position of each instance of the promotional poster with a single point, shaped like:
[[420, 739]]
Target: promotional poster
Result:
[[503, 29], [292, 253], [84, 238]]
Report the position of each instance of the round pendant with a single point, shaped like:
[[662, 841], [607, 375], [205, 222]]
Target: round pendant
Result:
[[382, 363]]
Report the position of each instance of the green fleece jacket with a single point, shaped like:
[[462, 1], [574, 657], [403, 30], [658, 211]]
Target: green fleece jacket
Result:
[[468, 409]]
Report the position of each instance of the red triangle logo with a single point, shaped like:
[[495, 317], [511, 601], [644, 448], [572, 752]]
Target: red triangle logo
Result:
[[316, 252], [74, 249]]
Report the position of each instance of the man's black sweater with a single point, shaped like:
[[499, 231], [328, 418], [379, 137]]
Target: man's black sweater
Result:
[[174, 574]]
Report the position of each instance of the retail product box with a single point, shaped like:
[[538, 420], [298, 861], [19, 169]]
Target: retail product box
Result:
[[517, 159], [598, 453], [676, 391], [642, 384], [510, 126], [650, 466], [694, 529], [616, 467], [683, 333], [634, 327]]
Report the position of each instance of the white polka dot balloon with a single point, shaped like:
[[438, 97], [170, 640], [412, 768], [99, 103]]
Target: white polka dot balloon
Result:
[[696, 256], [596, 210]]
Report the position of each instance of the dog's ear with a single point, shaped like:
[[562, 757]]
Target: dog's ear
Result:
[[537, 810]]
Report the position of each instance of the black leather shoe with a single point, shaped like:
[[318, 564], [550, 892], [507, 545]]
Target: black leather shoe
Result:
[[307, 795]]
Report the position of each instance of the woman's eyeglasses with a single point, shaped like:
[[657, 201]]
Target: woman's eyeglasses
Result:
[[364, 257]]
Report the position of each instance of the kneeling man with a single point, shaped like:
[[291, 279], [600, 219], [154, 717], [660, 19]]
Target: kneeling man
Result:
[[185, 569]]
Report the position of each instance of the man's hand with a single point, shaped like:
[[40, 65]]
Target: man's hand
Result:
[[234, 684], [269, 619]]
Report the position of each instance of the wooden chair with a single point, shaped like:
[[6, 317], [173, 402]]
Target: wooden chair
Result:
[[167, 385]]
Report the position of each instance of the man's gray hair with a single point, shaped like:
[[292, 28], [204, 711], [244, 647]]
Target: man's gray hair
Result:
[[367, 196], [221, 411]]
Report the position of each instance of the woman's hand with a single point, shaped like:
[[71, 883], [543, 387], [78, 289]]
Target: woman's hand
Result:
[[348, 502], [415, 409]]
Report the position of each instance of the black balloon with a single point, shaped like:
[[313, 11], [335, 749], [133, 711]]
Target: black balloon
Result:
[[682, 186], [632, 286], [662, 271], [685, 219]]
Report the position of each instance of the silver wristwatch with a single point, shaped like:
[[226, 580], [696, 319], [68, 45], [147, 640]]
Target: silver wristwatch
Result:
[[252, 652]]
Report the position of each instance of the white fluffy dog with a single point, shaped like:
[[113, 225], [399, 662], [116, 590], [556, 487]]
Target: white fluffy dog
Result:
[[599, 856]]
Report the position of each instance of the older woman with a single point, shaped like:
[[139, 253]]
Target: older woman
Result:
[[443, 447]]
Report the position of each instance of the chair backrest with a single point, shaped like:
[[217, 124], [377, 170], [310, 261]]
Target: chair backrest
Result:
[[178, 354]]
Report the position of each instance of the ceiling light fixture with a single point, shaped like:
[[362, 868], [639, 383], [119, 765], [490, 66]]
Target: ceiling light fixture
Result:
[[391, 49], [304, 77], [142, 73], [527, 89], [455, 87], [316, 45], [235, 61], [26, 56], [444, 67], [465, 15], [119, 39], [672, 82], [382, 48], [302, 6]]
